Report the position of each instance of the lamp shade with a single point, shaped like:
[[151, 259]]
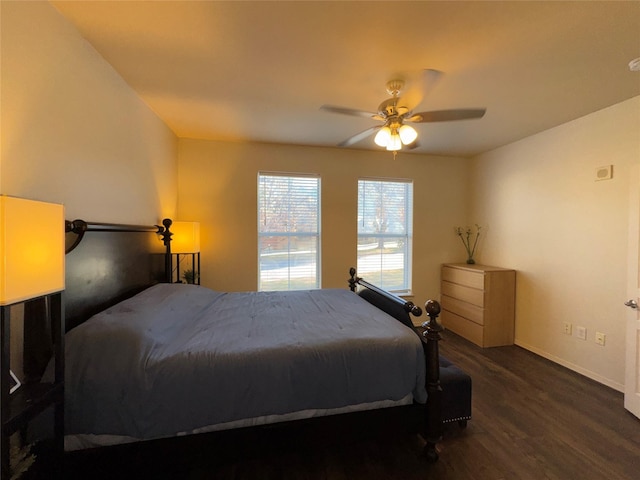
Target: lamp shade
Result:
[[407, 134], [186, 237], [383, 136], [31, 249], [394, 142]]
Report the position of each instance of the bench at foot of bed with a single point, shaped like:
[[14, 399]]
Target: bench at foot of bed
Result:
[[456, 393]]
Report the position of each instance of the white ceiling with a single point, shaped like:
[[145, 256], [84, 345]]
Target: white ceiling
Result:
[[260, 71]]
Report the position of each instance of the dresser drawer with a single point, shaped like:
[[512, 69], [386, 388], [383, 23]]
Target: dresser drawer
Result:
[[466, 278], [464, 309], [466, 294], [463, 327]]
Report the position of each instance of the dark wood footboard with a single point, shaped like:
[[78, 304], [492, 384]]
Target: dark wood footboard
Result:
[[400, 309]]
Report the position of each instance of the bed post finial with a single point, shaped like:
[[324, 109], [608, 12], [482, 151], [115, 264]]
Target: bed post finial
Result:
[[353, 280], [166, 233], [434, 390]]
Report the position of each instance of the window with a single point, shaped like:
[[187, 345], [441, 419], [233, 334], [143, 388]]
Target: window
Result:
[[385, 230], [288, 232]]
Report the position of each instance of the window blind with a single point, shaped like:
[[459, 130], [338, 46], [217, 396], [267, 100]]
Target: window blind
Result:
[[385, 223], [288, 232]]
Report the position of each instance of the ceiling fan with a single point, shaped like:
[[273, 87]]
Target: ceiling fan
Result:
[[395, 111]]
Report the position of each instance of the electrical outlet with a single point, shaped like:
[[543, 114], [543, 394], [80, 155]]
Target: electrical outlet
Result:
[[581, 333], [566, 328], [600, 338]]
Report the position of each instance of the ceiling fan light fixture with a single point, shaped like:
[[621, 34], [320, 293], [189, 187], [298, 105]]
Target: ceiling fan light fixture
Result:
[[383, 136], [407, 134]]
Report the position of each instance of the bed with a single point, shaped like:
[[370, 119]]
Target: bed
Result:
[[147, 360]]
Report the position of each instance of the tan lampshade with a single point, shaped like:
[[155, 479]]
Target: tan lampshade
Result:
[[186, 237], [31, 249]]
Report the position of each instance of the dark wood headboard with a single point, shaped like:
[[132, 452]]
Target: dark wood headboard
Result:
[[111, 263]]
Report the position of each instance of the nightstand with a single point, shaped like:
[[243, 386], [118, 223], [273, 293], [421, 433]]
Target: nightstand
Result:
[[186, 268], [32, 417]]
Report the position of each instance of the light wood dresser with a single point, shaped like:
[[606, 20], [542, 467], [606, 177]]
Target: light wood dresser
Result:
[[478, 303]]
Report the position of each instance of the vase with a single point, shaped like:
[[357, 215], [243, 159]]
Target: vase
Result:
[[470, 261]]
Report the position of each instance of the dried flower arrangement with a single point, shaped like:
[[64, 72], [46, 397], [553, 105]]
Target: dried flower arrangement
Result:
[[469, 240]]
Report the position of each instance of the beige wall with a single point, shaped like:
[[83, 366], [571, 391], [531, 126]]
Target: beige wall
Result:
[[72, 131], [565, 233], [218, 187]]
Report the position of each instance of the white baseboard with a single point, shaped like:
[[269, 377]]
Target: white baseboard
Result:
[[576, 368]]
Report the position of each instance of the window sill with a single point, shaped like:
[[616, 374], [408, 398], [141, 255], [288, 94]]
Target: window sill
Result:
[[404, 294]]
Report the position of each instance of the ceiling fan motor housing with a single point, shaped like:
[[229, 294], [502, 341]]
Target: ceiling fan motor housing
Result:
[[389, 109]]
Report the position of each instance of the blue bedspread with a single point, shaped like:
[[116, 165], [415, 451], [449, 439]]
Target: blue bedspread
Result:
[[178, 357]]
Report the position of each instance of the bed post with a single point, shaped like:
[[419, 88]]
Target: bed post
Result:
[[353, 280], [166, 239], [434, 390]]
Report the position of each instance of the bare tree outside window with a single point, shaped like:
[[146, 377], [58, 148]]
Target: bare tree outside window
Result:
[[385, 232]]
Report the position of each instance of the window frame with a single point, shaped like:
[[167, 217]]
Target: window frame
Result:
[[317, 234], [407, 273]]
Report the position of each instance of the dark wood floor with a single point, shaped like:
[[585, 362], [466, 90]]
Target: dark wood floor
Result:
[[532, 419]]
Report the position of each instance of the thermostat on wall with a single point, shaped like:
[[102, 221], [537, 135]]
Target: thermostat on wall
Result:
[[604, 173]]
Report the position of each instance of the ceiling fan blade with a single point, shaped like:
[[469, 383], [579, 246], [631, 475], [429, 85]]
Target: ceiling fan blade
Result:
[[359, 136], [427, 80], [348, 111], [430, 78], [447, 115]]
